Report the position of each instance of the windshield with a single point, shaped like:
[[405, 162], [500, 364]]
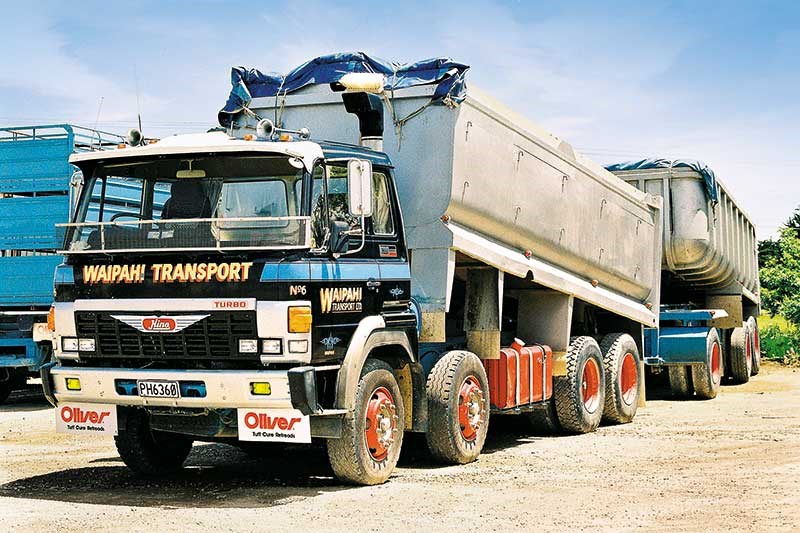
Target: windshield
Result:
[[204, 203]]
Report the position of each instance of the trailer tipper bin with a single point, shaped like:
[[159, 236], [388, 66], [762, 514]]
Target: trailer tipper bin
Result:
[[709, 289], [363, 240]]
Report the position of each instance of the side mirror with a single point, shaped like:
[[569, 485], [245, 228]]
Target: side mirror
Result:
[[359, 187], [339, 237]]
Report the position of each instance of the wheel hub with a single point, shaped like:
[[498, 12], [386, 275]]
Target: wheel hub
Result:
[[629, 378], [470, 408], [716, 360], [590, 386], [381, 423]]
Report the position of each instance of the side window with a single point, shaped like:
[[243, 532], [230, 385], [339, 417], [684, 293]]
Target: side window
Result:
[[337, 196], [382, 223], [319, 214]]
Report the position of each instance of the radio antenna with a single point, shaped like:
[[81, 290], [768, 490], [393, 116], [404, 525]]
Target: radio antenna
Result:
[[99, 108], [138, 107]]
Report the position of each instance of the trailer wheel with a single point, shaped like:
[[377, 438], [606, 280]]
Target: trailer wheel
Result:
[[707, 377], [680, 382], [544, 419], [755, 343], [149, 452], [623, 376], [740, 355], [458, 408], [372, 434], [580, 395]]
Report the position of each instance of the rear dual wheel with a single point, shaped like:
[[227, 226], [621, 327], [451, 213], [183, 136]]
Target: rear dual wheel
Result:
[[741, 355], [622, 377], [755, 343], [580, 394], [706, 378], [702, 379]]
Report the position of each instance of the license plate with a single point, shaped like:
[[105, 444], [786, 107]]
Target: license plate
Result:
[[159, 389]]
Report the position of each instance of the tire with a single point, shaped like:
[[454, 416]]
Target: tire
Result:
[[740, 357], [580, 395], [680, 382], [148, 452], [755, 343], [364, 456], [458, 408], [544, 418], [706, 377], [623, 375]]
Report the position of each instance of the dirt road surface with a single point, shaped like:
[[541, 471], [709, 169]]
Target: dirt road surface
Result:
[[728, 464]]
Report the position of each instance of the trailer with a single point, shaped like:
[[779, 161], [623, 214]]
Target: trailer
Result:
[[710, 290], [360, 250], [37, 189]]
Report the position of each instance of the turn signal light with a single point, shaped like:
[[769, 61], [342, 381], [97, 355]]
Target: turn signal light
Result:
[[73, 384], [51, 319], [261, 388], [299, 319]]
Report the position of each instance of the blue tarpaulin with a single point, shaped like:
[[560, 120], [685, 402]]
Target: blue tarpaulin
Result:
[[447, 74], [704, 170]]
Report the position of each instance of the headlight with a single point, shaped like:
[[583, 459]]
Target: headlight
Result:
[[248, 346], [271, 346], [86, 345], [69, 344]]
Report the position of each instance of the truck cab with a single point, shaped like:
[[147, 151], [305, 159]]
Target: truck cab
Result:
[[242, 306]]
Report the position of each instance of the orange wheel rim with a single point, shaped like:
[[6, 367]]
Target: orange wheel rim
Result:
[[629, 379], [590, 386], [381, 423], [470, 408]]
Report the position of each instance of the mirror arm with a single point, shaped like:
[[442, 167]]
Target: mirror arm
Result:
[[363, 241]]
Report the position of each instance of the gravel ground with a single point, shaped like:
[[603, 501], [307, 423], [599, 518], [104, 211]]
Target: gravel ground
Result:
[[728, 464]]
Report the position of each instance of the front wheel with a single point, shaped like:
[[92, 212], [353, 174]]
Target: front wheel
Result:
[[372, 434], [458, 408], [149, 452], [580, 395]]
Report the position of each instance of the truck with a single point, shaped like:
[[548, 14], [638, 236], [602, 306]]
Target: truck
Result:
[[361, 249], [35, 194], [710, 294]]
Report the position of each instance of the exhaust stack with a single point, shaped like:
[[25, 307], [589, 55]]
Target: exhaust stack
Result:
[[368, 107]]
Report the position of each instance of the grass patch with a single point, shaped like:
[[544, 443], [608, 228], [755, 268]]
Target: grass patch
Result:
[[780, 340]]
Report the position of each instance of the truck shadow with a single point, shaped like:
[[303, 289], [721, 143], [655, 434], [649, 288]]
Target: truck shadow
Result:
[[220, 475], [215, 475], [27, 399]]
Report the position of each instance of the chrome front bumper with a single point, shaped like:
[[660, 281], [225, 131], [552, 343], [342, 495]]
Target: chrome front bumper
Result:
[[223, 388]]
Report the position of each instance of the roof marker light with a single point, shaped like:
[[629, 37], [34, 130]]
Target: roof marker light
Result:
[[368, 82]]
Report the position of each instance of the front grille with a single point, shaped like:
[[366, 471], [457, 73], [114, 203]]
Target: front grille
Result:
[[216, 337]]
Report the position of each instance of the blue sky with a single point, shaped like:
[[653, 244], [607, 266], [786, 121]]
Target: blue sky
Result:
[[717, 81]]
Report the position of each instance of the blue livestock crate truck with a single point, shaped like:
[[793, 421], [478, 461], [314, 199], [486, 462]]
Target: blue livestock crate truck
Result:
[[36, 194], [360, 249]]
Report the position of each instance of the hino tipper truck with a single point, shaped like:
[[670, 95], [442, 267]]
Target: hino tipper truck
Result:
[[362, 249], [709, 288], [35, 194]]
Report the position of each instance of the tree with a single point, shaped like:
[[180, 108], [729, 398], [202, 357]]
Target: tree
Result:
[[780, 276], [794, 222]]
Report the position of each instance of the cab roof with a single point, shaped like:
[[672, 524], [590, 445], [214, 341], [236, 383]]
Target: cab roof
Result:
[[219, 141]]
